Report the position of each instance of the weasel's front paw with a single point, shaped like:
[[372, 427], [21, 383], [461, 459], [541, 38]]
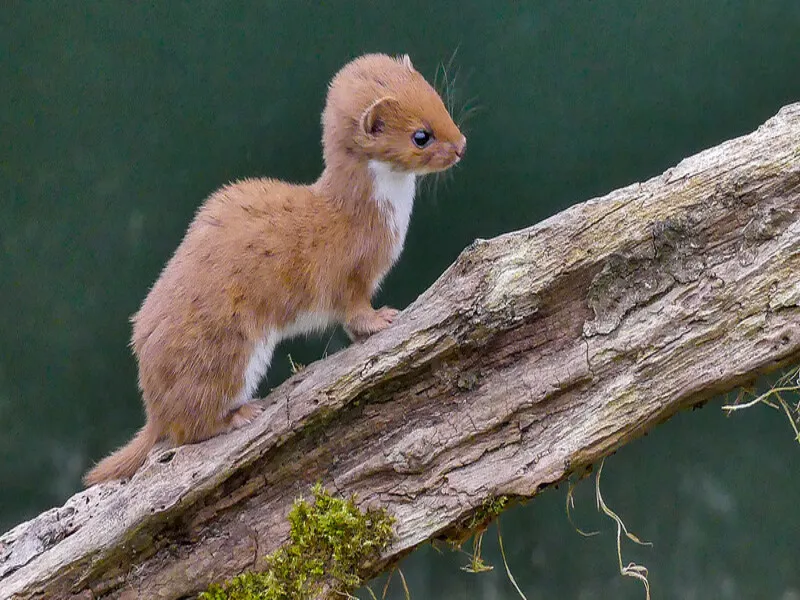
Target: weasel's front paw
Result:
[[363, 326], [385, 316]]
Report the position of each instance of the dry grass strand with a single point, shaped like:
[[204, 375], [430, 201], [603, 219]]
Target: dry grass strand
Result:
[[505, 562], [632, 570]]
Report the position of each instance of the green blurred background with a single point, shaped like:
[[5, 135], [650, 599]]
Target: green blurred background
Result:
[[118, 118]]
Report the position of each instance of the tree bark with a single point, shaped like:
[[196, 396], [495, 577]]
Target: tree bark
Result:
[[534, 355]]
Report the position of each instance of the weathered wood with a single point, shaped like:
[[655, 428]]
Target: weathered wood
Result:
[[534, 355]]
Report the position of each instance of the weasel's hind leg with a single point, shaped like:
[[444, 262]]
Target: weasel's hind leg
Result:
[[193, 414], [243, 415], [211, 426]]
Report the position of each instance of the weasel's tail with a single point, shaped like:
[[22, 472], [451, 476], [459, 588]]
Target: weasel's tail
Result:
[[127, 460]]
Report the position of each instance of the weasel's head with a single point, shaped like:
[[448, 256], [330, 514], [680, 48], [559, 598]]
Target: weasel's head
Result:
[[381, 108]]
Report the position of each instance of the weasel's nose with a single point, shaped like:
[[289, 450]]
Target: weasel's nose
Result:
[[461, 147]]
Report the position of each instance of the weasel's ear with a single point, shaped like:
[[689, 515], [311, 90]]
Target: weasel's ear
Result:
[[373, 120], [407, 62]]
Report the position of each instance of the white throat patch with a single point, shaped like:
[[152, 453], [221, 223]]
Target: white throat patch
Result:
[[394, 193]]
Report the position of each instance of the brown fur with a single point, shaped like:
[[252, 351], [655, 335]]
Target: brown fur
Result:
[[260, 254]]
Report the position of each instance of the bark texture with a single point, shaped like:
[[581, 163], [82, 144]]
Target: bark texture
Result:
[[534, 355]]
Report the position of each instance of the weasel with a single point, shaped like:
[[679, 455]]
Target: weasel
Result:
[[264, 260]]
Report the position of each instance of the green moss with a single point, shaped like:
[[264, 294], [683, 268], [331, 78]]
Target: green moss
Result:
[[476, 523], [331, 540], [484, 514], [487, 511]]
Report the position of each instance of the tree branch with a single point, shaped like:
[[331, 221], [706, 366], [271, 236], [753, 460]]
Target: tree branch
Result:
[[534, 355]]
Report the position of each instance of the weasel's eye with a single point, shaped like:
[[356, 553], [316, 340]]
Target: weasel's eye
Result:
[[422, 137]]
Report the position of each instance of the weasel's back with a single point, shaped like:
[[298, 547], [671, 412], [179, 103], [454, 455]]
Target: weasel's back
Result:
[[247, 238]]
